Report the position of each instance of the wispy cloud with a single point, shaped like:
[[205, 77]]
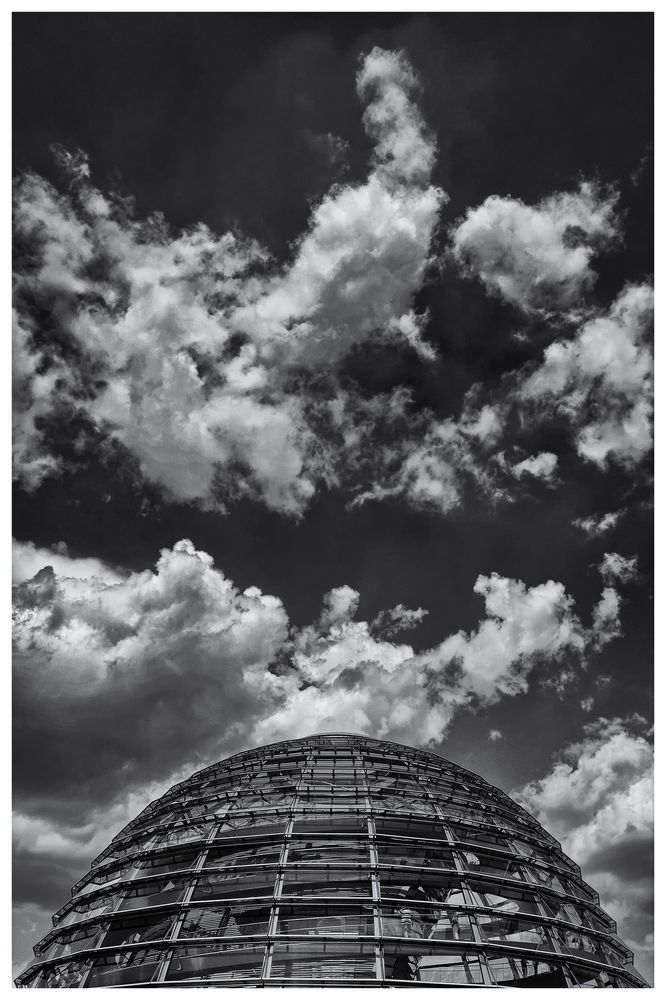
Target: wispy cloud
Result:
[[596, 525]]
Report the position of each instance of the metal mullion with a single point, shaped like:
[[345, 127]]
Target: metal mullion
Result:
[[159, 975], [380, 971], [476, 930], [568, 975], [84, 975], [268, 961], [486, 974]]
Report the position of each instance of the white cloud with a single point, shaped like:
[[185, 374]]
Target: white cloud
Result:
[[595, 525], [29, 559], [598, 800], [33, 386], [537, 257], [355, 680], [196, 351], [601, 381], [494, 735], [541, 466], [186, 667], [147, 672], [606, 617], [522, 626], [614, 566]]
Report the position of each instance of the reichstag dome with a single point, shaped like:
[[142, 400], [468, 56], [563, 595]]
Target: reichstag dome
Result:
[[333, 860]]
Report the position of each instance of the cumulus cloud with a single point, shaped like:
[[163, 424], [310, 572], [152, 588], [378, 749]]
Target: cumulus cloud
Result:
[[595, 525], [613, 567], [219, 372], [598, 800], [355, 679], [28, 559], [144, 671], [537, 257], [196, 351], [601, 381], [494, 735], [523, 626]]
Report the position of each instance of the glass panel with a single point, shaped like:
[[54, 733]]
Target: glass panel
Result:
[[226, 921], [592, 980], [227, 884], [102, 904], [136, 929], [426, 922], [70, 944], [326, 882], [157, 892], [169, 862], [62, 977], [352, 921], [181, 835], [219, 962], [323, 960], [507, 898], [324, 804], [453, 926], [400, 783], [418, 887], [519, 933], [527, 850], [577, 914], [404, 803], [529, 971], [264, 825], [328, 850], [264, 799], [418, 963], [488, 864], [233, 854], [575, 943], [123, 968], [106, 877], [338, 823], [547, 878], [487, 838], [404, 827], [415, 855]]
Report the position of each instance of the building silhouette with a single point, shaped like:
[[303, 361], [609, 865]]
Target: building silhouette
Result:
[[327, 860]]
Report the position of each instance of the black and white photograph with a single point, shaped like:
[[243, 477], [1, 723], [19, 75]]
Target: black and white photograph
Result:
[[333, 499]]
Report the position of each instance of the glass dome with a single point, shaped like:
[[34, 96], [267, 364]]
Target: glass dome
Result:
[[333, 859]]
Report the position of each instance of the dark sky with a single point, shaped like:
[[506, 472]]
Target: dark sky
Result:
[[245, 123]]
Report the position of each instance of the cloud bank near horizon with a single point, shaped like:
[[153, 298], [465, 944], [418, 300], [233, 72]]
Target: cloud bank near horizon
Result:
[[157, 670]]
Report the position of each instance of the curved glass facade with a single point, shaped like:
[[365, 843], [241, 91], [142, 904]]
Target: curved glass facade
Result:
[[330, 859]]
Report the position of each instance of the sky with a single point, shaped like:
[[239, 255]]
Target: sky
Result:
[[332, 412]]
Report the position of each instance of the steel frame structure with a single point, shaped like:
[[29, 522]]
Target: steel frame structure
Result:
[[327, 860]]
